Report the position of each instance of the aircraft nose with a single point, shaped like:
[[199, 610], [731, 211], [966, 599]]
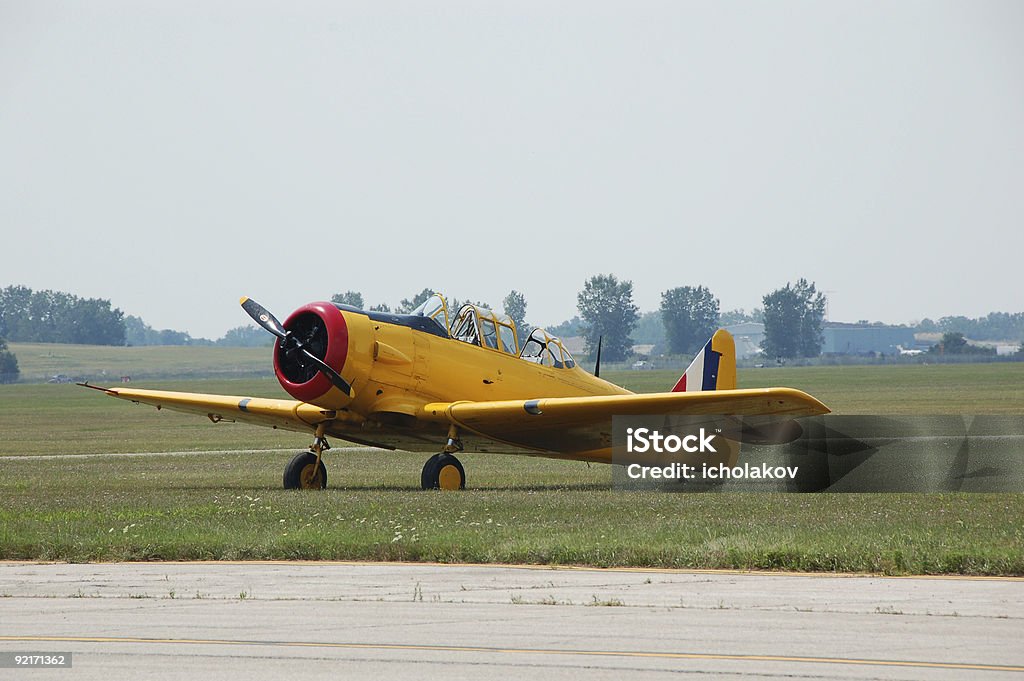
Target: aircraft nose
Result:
[[322, 329]]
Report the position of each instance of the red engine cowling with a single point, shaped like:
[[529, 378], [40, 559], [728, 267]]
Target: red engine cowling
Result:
[[321, 327]]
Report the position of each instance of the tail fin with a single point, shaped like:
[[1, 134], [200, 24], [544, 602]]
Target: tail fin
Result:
[[714, 367]]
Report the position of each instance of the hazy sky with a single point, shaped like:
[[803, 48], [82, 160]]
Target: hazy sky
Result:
[[172, 156]]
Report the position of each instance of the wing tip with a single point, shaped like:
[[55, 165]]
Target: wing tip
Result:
[[810, 401], [87, 384]]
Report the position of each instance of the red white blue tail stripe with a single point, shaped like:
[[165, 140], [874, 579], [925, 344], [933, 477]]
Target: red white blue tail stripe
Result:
[[702, 374]]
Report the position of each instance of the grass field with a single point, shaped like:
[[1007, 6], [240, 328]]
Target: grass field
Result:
[[38, 362], [229, 505]]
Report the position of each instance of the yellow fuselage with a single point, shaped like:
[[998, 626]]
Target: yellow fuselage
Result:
[[397, 369]]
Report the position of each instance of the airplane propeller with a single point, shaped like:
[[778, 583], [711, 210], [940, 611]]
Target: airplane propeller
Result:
[[291, 344]]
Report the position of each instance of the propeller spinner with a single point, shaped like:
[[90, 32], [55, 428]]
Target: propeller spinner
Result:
[[291, 344]]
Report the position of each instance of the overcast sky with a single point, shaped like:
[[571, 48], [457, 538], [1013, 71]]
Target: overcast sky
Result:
[[173, 156]]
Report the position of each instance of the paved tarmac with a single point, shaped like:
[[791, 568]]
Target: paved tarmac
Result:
[[271, 620]]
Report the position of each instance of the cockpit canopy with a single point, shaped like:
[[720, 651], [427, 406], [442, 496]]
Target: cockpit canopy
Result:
[[543, 348], [479, 326], [434, 308]]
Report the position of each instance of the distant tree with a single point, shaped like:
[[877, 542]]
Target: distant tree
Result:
[[138, 332], [40, 325], [383, 307], [993, 326], [172, 337], [690, 316], [454, 304], [246, 337], [607, 308], [353, 298], [407, 306], [9, 371], [741, 316], [91, 321], [927, 326], [650, 330], [515, 307], [793, 319], [14, 302], [954, 343], [568, 328], [58, 317]]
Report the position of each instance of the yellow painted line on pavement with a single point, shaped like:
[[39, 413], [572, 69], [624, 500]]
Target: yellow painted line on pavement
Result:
[[962, 666]]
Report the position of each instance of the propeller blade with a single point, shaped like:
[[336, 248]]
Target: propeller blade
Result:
[[597, 364], [330, 373], [263, 317], [290, 344]]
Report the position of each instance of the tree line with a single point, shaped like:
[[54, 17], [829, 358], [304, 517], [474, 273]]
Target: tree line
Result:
[[28, 316], [9, 371], [138, 332], [793, 316], [993, 326], [514, 305]]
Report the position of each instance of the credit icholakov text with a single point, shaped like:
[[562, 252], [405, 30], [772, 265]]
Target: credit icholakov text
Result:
[[644, 440]]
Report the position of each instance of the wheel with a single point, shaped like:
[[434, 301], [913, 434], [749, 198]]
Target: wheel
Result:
[[443, 471], [302, 472]]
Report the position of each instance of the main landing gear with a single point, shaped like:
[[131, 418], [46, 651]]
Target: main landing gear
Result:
[[307, 470], [443, 470]]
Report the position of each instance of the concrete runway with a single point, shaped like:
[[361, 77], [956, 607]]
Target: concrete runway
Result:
[[398, 621]]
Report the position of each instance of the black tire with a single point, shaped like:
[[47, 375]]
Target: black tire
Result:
[[299, 474], [439, 472]]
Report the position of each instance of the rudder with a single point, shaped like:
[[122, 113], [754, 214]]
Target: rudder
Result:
[[714, 367]]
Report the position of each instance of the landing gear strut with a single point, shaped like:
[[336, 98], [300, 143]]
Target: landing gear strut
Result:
[[306, 470], [443, 470]]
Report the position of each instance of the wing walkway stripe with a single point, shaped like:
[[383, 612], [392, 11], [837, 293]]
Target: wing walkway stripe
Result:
[[524, 651]]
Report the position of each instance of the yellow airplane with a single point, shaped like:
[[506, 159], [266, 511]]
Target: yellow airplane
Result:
[[424, 382]]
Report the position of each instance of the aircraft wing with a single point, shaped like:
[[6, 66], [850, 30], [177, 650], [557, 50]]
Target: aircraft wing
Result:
[[567, 427], [583, 425], [289, 415], [285, 414]]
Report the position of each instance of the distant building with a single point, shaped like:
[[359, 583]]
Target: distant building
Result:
[[865, 339], [642, 350], [840, 338], [748, 337]]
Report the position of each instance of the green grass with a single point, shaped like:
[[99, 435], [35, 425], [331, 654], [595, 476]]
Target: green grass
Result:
[[517, 510], [68, 419], [230, 506], [38, 362]]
